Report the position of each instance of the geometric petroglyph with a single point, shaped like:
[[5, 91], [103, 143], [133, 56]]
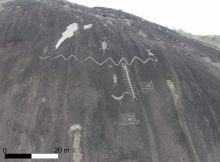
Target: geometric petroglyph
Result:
[[116, 63], [128, 119], [130, 85], [147, 87]]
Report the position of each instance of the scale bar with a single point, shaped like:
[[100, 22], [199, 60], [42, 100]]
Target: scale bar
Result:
[[45, 156], [17, 156], [31, 156]]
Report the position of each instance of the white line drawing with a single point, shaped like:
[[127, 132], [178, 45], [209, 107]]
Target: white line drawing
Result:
[[151, 54], [119, 98], [128, 119], [147, 87], [101, 63], [130, 88], [103, 157], [75, 132], [45, 57], [104, 46], [87, 26], [75, 127], [110, 66], [115, 80], [70, 30], [128, 81]]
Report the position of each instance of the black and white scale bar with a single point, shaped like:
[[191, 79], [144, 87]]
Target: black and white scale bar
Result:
[[31, 156]]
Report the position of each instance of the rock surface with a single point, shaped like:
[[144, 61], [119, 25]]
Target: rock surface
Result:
[[116, 88]]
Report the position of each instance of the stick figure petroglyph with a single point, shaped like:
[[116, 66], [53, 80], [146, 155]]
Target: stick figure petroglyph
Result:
[[104, 46], [115, 80]]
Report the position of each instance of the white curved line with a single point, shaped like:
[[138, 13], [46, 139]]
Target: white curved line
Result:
[[101, 63], [120, 97]]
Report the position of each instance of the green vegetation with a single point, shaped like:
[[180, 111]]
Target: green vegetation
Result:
[[173, 91], [77, 155], [180, 31], [2, 2], [170, 84], [217, 64], [77, 139], [213, 40], [77, 134], [67, 7]]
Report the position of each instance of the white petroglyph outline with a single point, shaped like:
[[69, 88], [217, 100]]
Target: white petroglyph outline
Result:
[[68, 33], [115, 79], [131, 90], [128, 119], [119, 98], [74, 128], [145, 88], [101, 63], [104, 46], [129, 81], [88, 26], [149, 52]]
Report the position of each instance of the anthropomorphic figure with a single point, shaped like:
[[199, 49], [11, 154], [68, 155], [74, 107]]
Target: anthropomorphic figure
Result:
[[115, 80], [104, 46]]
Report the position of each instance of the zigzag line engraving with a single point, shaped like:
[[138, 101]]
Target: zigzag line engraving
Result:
[[101, 63]]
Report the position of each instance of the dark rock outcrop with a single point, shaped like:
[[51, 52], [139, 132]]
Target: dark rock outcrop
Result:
[[111, 87]]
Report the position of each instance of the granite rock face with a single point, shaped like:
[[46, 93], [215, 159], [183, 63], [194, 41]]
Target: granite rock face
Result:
[[107, 85]]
